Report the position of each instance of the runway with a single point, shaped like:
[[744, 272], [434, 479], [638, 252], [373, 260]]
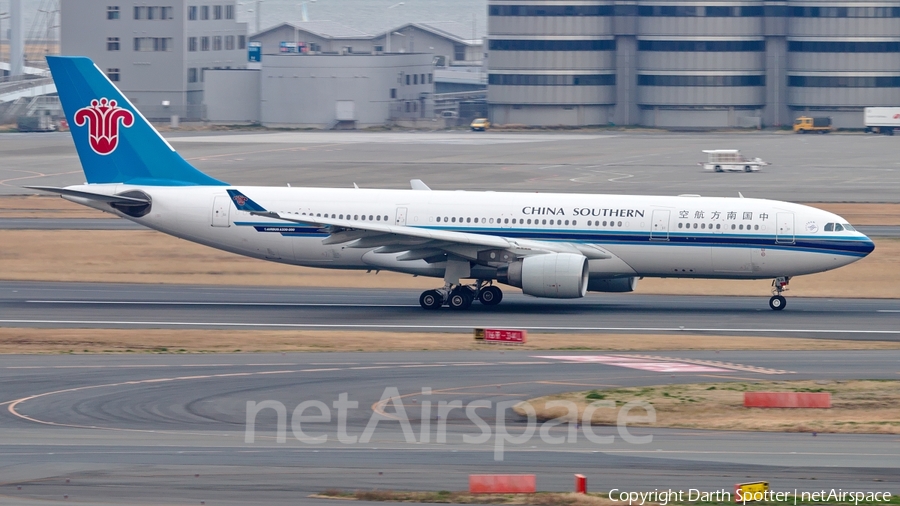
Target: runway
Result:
[[172, 429], [100, 305]]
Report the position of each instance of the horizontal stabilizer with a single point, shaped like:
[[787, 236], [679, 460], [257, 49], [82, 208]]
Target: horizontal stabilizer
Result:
[[99, 197]]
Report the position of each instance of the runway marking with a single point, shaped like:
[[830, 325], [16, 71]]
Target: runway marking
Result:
[[640, 363], [446, 327], [888, 311], [717, 363]]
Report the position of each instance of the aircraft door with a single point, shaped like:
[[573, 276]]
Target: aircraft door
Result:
[[401, 216], [784, 231], [660, 225], [221, 211]]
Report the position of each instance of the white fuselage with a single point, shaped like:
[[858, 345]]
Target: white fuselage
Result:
[[686, 236]]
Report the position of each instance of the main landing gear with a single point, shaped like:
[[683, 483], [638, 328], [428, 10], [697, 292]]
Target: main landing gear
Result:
[[460, 297], [777, 302]]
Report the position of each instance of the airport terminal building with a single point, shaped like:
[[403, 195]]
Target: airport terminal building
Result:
[[675, 63]]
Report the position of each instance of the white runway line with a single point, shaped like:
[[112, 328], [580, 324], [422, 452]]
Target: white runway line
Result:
[[201, 303]]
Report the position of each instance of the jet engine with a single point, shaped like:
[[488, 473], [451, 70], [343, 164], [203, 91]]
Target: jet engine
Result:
[[554, 275]]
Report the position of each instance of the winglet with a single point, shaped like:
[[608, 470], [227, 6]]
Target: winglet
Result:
[[244, 203]]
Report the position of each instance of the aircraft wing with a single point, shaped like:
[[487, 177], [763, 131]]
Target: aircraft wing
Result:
[[417, 243]]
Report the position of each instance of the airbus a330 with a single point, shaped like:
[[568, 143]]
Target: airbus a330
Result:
[[549, 245]]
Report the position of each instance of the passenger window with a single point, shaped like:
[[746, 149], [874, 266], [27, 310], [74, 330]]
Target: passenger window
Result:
[[385, 217], [342, 216], [573, 222], [544, 223], [755, 227], [838, 227], [718, 226], [332, 216], [454, 219], [604, 223], [732, 226], [620, 224], [589, 223], [378, 218], [703, 226], [695, 225], [829, 227], [370, 217], [680, 225], [492, 221], [355, 216], [741, 227], [529, 221]]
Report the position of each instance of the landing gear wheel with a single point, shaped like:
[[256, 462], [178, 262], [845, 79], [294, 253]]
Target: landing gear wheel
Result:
[[747, 168], [490, 295], [460, 299], [777, 302], [431, 299]]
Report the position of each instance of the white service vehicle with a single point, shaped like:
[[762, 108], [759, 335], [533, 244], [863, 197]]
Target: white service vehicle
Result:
[[721, 160], [882, 120]]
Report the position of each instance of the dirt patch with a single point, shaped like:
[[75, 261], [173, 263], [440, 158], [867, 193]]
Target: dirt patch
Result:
[[858, 406], [46, 206], [146, 256], [32, 341]]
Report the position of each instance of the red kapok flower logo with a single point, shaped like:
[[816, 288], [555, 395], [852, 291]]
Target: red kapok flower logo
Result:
[[103, 117]]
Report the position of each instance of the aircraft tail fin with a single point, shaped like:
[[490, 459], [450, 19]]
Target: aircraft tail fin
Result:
[[115, 142]]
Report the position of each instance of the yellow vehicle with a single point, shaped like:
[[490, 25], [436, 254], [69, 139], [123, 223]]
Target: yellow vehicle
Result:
[[805, 124], [480, 124]]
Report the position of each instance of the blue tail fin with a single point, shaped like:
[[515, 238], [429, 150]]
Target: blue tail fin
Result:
[[115, 143]]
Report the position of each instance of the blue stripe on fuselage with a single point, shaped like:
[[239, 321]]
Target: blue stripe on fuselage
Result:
[[848, 246]]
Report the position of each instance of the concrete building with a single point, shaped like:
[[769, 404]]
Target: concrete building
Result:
[[445, 40], [677, 63], [325, 91], [156, 53]]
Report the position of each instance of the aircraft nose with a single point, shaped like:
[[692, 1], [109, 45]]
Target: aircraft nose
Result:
[[867, 245]]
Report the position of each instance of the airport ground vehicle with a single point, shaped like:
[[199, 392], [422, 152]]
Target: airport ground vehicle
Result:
[[481, 124], [805, 124], [882, 120], [721, 160]]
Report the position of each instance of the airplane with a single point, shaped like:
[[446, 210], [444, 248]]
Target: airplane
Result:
[[550, 245]]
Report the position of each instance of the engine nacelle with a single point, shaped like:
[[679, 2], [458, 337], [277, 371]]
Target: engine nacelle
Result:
[[554, 275], [612, 284]]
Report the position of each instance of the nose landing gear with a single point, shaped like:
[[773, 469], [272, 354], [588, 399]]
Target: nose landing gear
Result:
[[778, 302]]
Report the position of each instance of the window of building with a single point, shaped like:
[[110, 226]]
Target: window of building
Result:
[[192, 13], [242, 42], [551, 45], [845, 12], [204, 12], [140, 12], [552, 80], [415, 78], [844, 81], [165, 13], [229, 42], [798, 46], [112, 43], [192, 75], [144, 44], [430, 78], [702, 45], [422, 78], [229, 12], [666, 80], [192, 43], [379, 49], [204, 43], [407, 107], [112, 74], [550, 10], [203, 74], [407, 79], [152, 12], [217, 11], [112, 12], [459, 52], [217, 43], [393, 92]]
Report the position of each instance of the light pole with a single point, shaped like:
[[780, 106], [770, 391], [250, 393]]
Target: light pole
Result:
[[388, 36], [304, 16]]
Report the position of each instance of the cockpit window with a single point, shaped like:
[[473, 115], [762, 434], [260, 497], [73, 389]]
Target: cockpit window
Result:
[[847, 226], [829, 227], [838, 227]]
